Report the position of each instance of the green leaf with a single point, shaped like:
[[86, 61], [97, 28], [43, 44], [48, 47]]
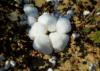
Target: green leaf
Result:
[[95, 37]]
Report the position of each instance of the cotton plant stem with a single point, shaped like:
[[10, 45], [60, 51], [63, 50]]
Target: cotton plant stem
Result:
[[92, 13], [87, 18]]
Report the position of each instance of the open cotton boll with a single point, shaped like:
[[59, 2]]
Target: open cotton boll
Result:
[[37, 29], [31, 20], [63, 25], [48, 20], [42, 44], [59, 41], [30, 10]]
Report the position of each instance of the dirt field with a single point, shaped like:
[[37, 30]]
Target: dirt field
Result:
[[78, 55]]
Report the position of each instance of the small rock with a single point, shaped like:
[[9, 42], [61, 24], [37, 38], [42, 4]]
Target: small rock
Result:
[[75, 35], [98, 13], [12, 63], [50, 69], [53, 60], [13, 16], [92, 67], [86, 12], [7, 65]]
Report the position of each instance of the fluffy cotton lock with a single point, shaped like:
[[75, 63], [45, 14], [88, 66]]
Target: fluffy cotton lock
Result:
[[36, 30], [30, 10], [59, 41], [63, 25], [31, 20], [42, 44], [48, 20]]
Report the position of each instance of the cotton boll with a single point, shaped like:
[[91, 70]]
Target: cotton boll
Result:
[[59, 41], [30, 10], [31, 20], [42, 44], [36, 30], [48, 20], [63, 25]]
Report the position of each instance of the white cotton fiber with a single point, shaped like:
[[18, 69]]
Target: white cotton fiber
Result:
[[42, 44], [63, 25], [48, 20], [36, 30], [59, 41]]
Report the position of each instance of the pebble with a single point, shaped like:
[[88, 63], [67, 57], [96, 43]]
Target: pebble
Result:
[[53, 60], [12, 63], [92, 67], [50, 69], [13, 16], [98, 13], [75, 35], [7, 65], [86, 12]]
